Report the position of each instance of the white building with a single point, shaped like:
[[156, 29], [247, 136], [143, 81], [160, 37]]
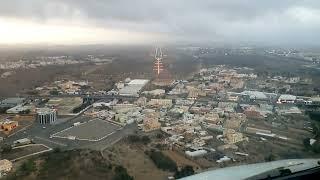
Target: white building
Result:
[[196, 153], [286, 98], [133, 87], [46, 115], [18, 109], [255, 95]]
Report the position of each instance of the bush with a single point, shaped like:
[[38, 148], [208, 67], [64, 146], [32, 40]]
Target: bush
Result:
[[54, 92], [162, 161], [145, 140], [184, 172], [133, 138], [270, 157], [27, 167], [306, 143], [138, 139], [121, 174], [6, 148]]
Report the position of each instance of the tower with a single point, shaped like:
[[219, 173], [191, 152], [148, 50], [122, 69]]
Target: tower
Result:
[[158, 65], [163, 76]]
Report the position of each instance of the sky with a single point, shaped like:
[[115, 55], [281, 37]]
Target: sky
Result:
[[159, 21]]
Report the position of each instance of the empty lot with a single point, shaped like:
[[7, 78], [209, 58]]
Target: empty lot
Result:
[[93, 130]]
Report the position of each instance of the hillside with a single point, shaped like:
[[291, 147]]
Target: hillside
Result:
[[75, 164]]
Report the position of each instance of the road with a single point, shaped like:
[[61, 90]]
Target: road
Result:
[[40, 135]]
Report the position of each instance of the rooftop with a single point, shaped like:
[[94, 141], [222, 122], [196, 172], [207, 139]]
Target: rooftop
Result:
[[287, 97], [13, 101], [138, 82]]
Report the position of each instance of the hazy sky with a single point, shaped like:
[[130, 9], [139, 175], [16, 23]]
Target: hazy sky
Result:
[[159, 21]]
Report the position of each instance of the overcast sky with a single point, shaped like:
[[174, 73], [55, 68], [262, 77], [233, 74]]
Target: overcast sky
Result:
[[159, 21]]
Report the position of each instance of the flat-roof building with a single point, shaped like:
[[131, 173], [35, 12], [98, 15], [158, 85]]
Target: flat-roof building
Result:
[[133, 88], [286, 98], [12, 102], [255, 95]]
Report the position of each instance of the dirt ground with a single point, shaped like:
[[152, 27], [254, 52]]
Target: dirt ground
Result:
[[138, 164], [19, 152], [180, 160]]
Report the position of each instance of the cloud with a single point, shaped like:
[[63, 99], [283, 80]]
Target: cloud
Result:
[[200, 21]]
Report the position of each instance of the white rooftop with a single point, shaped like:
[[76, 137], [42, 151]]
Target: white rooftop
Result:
[[43, 111], [255, 94], [287, 97], [138, 82]]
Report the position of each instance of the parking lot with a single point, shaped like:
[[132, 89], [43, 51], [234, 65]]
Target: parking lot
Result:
[[93, 130]]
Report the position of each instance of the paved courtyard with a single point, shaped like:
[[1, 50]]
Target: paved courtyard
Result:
[[93, 130]]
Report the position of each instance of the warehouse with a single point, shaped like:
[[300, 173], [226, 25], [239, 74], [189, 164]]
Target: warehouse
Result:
[[12, 102], [286, 98], [255, 95], [19, 109], [133, 88]]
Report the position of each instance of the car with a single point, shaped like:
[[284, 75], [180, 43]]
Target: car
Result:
[[43, 127]]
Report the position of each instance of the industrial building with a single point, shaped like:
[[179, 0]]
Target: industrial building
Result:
[[19, 109], [286, 98], [255, 95], [133, 88], [12, 102], [46, 115]]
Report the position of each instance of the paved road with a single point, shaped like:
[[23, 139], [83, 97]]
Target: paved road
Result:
[[113, 138], [42, 136]]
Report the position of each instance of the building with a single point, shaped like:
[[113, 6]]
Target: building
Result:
[[231, 136], [160, 103], [212, 118], [46, 115], [255, 95], [12, 102], [150, 124], [19, 109], [5, 166], [23, 141], [288, 110], [156, 92], [196, 153], [286, 98], [315, 100], [142, 101], [252, 111], [233, 98], [133, 88], [9, 125]]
